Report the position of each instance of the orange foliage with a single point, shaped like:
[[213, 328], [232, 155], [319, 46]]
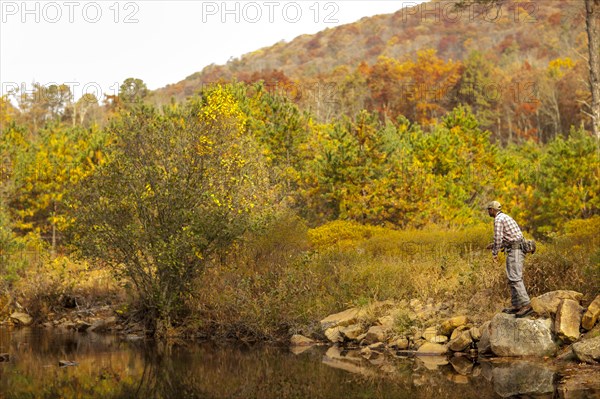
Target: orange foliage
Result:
[[417, 89]]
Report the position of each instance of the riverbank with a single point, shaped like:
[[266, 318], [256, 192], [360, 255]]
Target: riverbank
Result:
[[109, 366], [447, 344], [282, 282], [559, 327], [379, 363]]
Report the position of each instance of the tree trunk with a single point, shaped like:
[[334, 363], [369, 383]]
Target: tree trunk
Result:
[[53, 250], [163, 327], [592, 18]]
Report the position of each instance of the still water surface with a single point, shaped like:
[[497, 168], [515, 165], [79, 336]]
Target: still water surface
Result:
[[110, 367]]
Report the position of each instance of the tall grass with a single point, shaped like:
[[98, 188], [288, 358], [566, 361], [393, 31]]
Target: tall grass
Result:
[[286, 280], [571, 261]]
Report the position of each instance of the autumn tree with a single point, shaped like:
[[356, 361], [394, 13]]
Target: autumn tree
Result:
[[422, 90], [387, 82], [348, 158], [398, 175], [11, 141], [549, 91], [180, 185], [132, 91], [591, 9], [592, 25], [44, 170], [568, 183], [84, 112], [432, 86], [477, 88], [43, 104], [352, 91], [7, 112], [459, 164], [280, 128], [403, 191]]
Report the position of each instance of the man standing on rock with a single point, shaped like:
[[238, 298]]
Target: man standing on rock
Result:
[[508, 236]]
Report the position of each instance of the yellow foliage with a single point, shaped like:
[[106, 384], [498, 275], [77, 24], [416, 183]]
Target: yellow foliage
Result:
[[558, 67], [339, 232], [6, 112], [583, 228], [221, 105]]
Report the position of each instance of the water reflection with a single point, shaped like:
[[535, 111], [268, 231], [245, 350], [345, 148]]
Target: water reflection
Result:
[[109, 367], [523, 377]]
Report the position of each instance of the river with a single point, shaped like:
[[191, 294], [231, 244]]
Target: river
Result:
[[106, 366]]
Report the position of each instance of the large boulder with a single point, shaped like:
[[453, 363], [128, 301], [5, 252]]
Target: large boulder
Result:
[[568, 320], [460, 342], [430, 348], [588, 350], [510, 336], [334, 334], [458, 331], [21, 319], [483, 345], [547, 304], [400, 343], [439, 339], [430, 333], [386, 321], [352, 332], [591, 314], [475, 333], [301, 340]]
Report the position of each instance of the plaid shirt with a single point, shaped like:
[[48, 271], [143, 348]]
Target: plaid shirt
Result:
[[506, 231]]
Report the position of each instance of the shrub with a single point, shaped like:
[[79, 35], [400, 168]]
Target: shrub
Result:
[[51, 285], [179, 187], [569, 261]]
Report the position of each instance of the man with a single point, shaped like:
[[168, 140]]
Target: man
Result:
[[508, 236]]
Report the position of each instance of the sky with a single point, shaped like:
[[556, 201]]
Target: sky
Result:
[[93, 46]]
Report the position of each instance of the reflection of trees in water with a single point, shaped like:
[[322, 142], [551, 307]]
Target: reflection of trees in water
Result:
[[160, 377], [233, 372], [105, 364], [110, 368], [209, 371], [59, 342]]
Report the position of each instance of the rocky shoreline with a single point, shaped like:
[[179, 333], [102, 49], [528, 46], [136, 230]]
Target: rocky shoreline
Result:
[[100, 319], [560, 328], [555, 351]]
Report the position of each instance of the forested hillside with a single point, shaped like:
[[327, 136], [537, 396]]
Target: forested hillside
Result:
[[521, 66]]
